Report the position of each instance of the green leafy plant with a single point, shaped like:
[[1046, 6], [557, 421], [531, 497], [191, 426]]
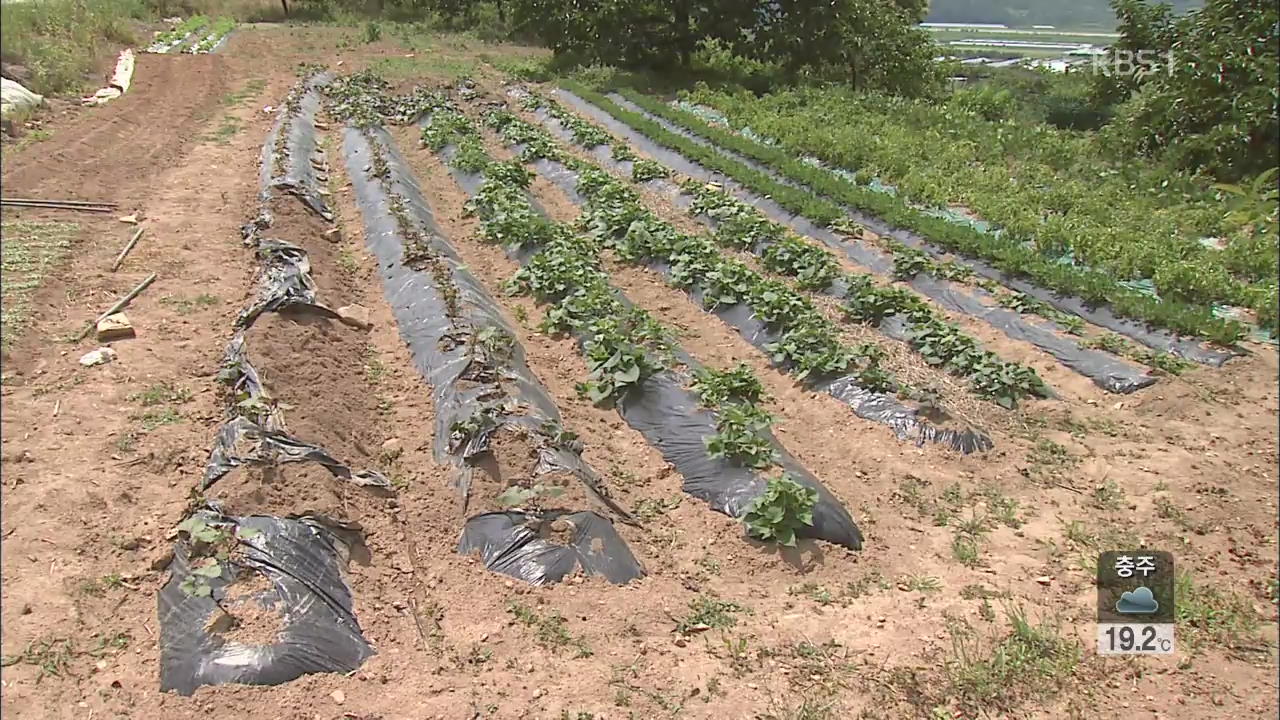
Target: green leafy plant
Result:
[[716, 387], [517, 496], [694, 262], [645, 170], [616, 365], [708, 613], [738, 437], [785, 508]]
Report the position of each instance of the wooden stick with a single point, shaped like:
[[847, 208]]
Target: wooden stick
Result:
[[129, 246], [63, 202], [58, 206], [120, 305]]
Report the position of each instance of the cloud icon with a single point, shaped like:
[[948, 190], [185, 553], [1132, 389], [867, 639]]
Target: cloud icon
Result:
[[1140, 601]]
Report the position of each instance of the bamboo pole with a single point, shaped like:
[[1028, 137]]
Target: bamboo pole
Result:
[[120, 305], [129, 246]]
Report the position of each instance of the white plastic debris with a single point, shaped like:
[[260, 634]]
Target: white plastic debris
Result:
[[120, 80], [15, 98], [101, 356]]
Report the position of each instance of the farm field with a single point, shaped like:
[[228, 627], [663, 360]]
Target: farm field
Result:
[[464, 392]]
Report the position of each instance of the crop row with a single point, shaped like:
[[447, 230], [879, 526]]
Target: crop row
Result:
[[216, 33], [820, 195], [168, 39], [698, 260], [623, 344], [626, 349], [1046, 192], [219, 561], [1089, 357]]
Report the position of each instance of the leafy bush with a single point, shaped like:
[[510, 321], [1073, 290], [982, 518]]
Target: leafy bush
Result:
[[644, 170], [873, 43], [716, 387], [59, 41], [1214, 108], [987, 101], [738, 436], [785, 508]]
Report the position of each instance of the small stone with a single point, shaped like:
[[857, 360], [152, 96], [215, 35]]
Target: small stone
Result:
[[26, 609], [1044, 579], [115, 327], [338, 696], [131, 219], [681, 642], [333, 234], [392, 448], [101, 356], [357, 316]]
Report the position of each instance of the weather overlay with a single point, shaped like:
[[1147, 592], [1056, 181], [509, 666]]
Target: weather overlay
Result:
[[1135, 603]]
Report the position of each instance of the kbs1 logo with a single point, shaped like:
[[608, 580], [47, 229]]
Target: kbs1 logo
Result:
[[1133, 62]]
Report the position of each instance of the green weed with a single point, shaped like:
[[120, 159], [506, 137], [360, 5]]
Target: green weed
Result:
[[551, 630], [1031, 661], [707, 613], [155, 418], [188, 305], [1108, 496], [161, 393], [1213, 616], [28, 253]]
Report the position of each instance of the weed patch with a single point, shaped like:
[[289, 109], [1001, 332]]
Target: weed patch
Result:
[[551, 630], [28, 252], [189, 305], [995, 675], [1212, 616], [707, 613]]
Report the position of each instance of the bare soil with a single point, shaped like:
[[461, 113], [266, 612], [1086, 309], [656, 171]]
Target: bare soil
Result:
[[99, 466]]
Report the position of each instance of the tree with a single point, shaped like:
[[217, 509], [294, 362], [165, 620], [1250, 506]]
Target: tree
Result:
[[1214, 107], [871, 43]]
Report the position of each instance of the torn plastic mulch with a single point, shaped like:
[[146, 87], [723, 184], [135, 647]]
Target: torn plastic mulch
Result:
[[1105, 370], [284, 282], [1102, 316], [671, 418], [259, 601], [467, 352], [547, 549], [291, 160], [883, 408], [294, 616]]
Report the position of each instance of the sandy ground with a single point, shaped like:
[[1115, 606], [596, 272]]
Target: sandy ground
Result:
[[99, 464]]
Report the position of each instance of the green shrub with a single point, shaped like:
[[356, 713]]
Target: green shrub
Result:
[[785, 507], [59, 40]]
